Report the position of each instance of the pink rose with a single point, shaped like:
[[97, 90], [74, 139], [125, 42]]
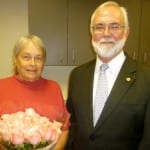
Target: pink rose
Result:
[[17, 139]]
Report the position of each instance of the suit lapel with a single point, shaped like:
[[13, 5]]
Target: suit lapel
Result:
[[89, 93], [124, 81]]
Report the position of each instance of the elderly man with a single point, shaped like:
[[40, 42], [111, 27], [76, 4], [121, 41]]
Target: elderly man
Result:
[[109, 96]]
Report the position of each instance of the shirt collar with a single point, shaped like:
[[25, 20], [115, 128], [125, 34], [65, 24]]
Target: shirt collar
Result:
[[114, 65]]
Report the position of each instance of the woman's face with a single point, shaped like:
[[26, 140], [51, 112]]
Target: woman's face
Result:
[[30, 62]]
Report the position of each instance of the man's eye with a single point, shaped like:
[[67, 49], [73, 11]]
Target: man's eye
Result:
[[114, 27], [99, 28]]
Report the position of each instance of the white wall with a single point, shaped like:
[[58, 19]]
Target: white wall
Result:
[[13, 24], [60, 74]]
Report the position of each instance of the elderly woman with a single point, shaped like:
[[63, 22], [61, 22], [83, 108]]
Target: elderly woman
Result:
[[27, 89]]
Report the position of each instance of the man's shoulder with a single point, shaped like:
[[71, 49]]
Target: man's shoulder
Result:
[[137, 67], [83, 67]]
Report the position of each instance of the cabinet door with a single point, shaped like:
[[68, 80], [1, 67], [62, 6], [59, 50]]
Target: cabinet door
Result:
[[79, 38], [133, 8], [145, 33], [48, 19]]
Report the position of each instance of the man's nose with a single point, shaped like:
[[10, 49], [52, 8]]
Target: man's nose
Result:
[[106, 31]]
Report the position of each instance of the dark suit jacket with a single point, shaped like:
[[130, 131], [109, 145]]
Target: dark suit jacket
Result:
[[125, 121]]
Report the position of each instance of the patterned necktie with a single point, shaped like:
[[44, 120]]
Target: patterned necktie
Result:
[[101, 93]]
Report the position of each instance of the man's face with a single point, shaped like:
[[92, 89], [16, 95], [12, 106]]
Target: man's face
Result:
[[109, 33]]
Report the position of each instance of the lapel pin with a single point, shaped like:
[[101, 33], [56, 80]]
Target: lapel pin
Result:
[[128, 79]]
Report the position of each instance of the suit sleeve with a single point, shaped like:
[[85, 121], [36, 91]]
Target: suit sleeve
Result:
[[145, 142], [72, 117]]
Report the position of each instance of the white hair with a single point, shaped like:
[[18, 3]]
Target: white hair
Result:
[[111, 3]]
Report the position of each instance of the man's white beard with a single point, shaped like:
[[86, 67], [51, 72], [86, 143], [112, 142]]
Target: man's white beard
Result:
[[107, 50]]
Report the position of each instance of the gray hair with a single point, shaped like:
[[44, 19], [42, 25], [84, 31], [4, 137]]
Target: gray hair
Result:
[[22, 42], [111, 3]]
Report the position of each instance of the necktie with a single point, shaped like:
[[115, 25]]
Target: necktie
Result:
[[101, 93]]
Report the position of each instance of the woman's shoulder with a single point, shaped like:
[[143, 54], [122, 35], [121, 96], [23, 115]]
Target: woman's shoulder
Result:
[[50, 82], [6, 79]]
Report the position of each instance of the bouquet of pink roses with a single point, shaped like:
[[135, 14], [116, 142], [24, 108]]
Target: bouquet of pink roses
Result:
[[28, 131]]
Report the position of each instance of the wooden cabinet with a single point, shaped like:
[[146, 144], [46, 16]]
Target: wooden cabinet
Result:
[[133, 8], [48, 19], [64, 27], [79, 38], [144, 51]]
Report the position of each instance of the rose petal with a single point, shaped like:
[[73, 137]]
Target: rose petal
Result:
[[17, 139], [34, 139]]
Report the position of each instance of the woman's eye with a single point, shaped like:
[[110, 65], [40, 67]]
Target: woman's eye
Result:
[[38, 58], [26, 57]]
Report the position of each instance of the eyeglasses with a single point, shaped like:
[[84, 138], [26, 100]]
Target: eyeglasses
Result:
[[37, 59], [112, 28]]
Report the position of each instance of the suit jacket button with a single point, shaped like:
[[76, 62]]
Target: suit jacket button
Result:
[[92, 137]]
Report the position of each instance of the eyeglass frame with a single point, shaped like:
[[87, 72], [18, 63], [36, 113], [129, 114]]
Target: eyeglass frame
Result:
[[112, 28]]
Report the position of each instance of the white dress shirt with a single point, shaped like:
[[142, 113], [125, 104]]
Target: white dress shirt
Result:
[[111, 73]]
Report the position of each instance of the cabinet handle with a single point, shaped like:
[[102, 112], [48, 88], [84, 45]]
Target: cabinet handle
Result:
[[61, 61], [134, 55], [73, 56], [145, 57]]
